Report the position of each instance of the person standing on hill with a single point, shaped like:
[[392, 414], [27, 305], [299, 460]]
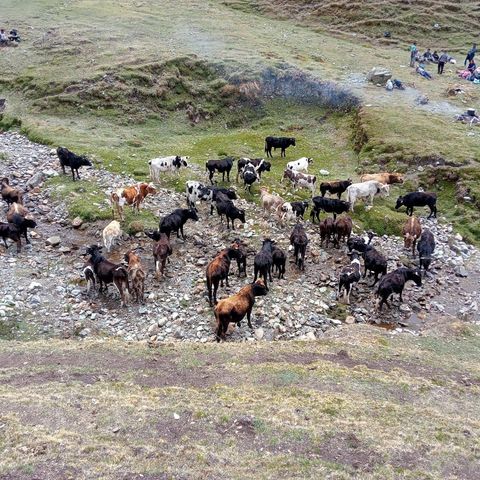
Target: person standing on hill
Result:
[[413, 53], [471, 54], [442, 60]]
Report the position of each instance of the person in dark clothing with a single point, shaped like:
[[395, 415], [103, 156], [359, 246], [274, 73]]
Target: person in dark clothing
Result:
[[435, 57], [442, 60], [471, 54], [471, 66]]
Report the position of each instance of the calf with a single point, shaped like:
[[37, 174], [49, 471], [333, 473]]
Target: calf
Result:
[[262, 265], [70, 159], [335, 187], [327, 230], [223, 166], [259, 163], [233, 309], [218, 270], [348, 277], [366, 190], [11, 231], [9, 194], [375, 262], [394, 282], [108, 272], [343, 229], [270, 202], [214, 194], [279, 260], [19, 216], [133, 195], [161, 251], [196, 191], [300, 165], [166, 164], [227, 208], [302, 180], [111, 233], [278, 142], [249, 177], [328, 205], [411, 233], [293, 210], [175, 221], [136, 274], [418, 199], [384, 177], [299, 240], [426, 247]]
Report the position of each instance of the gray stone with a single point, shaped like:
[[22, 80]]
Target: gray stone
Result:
[[77, 222], [461, 271], [54, 241], [379, 75]]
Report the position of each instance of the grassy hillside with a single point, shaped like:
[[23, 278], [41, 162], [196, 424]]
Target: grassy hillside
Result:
[[372, 407], [366, 19]]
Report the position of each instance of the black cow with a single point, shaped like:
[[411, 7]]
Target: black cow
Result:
[[249, 177], [394, 282], [328, 205], [425, 247], [227, 208], [175, 221], [70, 159], [418, 199], [278, 142], [221, 166]]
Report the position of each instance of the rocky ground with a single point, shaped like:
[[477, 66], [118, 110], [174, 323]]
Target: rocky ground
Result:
[[43, 292]]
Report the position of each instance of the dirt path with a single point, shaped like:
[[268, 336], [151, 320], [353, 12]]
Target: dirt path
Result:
[[46, 295]]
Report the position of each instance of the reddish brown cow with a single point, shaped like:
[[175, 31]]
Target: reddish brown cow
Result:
[[411, 233], [133, 195]]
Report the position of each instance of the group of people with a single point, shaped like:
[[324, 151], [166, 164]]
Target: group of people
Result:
[[441, 59], [471, 72], [5, 37]]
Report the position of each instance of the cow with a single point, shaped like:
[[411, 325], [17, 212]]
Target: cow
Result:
[[335, 187], [418, 199], [9, 194], [426, 247], [299, 240], [259, 163], [166, 164], [110, 234], [136, 273], [328, 205], [366, 190], [300, 165], [343, 229], [278, 142], [133, 195], [302, 180], [233, 309], [223, 166], [161, 251], [270, 202], [394, 282], [262, 264], [384, 177], [250, 176], [349, 275], [411, 233], [70, 159], [19, 216], [217, 271], [293, 210], [175, 221]]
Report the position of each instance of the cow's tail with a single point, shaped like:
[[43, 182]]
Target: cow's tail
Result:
[[266, 147]]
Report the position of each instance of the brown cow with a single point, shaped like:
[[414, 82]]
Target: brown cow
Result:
[[136, 273], [343, 229], [133, 195], [384, 177], [10, 194], [233, 309], [411, 233]]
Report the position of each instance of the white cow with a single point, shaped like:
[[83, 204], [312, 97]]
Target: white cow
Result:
[[196, 191], [165, 164], [366, 190], [300, 165], [111, 233], [300, 179]]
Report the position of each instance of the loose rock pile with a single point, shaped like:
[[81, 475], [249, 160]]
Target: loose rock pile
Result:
[[44, 292]]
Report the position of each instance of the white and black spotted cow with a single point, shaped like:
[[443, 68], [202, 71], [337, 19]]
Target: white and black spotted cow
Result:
[[166, 164]]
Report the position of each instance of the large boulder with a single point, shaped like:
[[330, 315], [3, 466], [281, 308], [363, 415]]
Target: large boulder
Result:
[[379, 75]]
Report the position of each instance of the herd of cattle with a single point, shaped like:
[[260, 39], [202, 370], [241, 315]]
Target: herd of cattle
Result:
[[129, 278]]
